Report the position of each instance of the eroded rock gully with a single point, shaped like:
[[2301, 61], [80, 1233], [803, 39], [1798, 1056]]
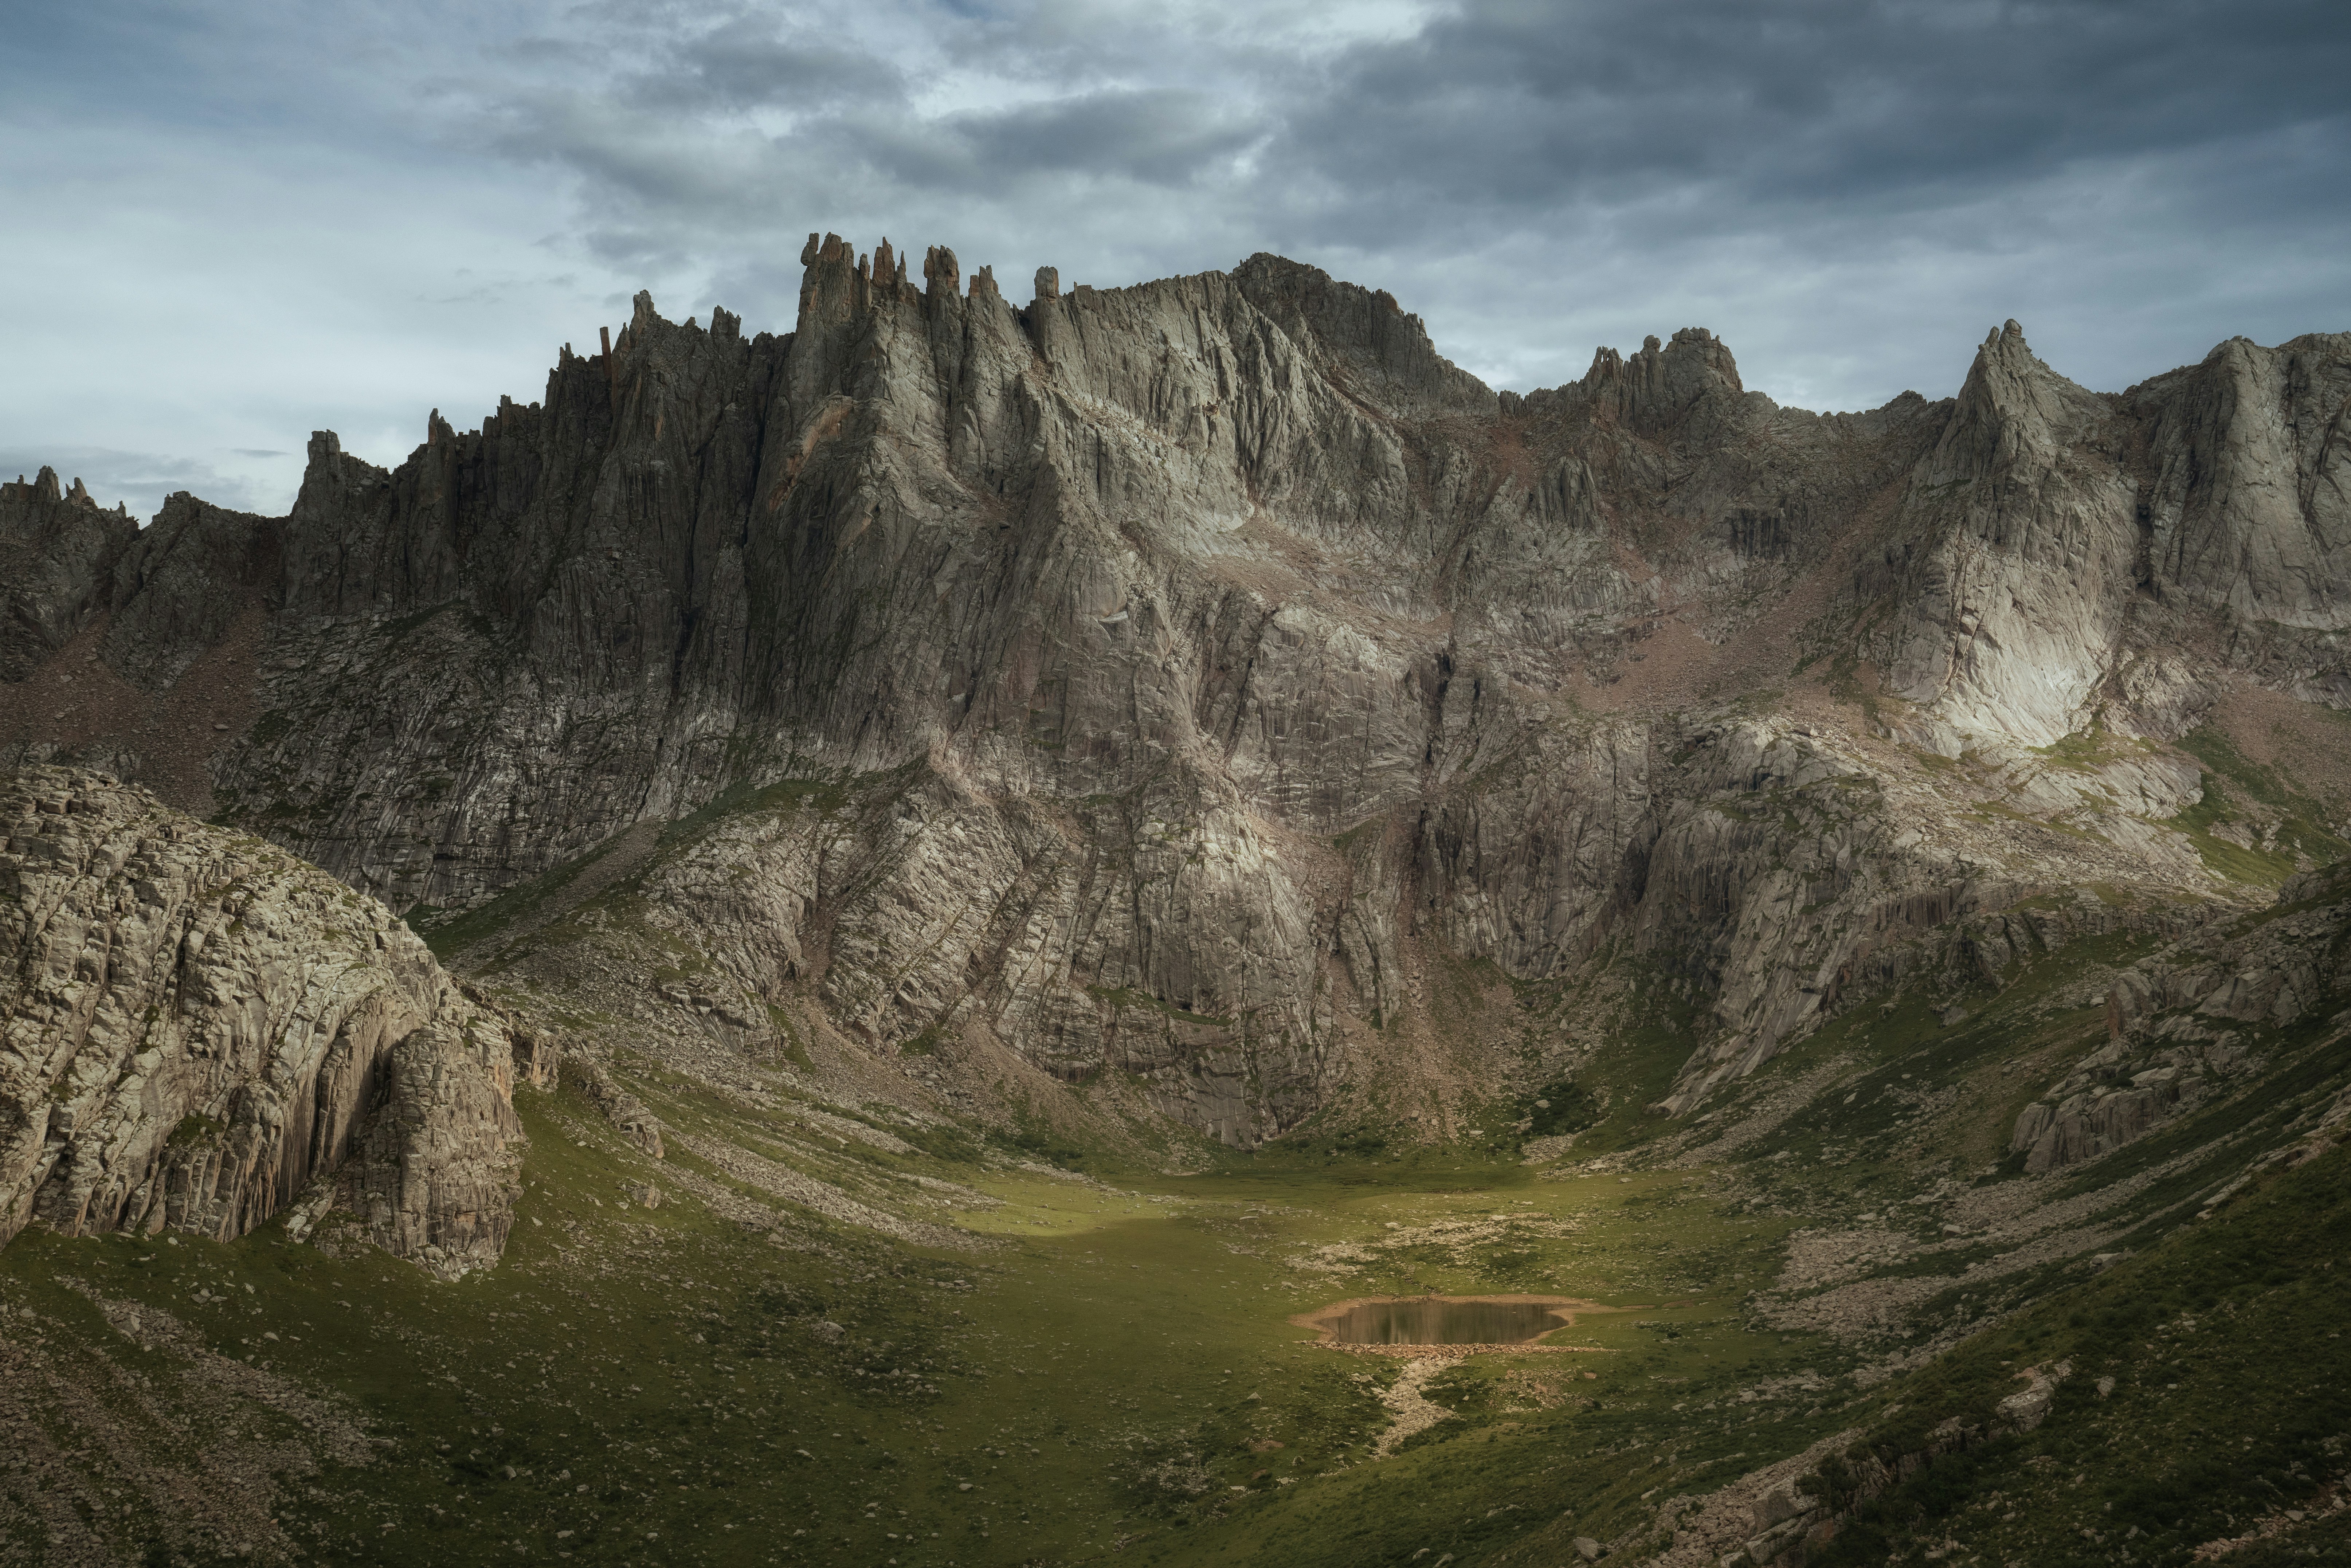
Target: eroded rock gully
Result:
[[196, 1026], [1160, 683]]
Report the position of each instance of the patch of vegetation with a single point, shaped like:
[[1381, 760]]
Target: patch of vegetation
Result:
[[794, 1049], [2301, 821], [1112, 1371], [2087, 750], [1561, 1105], [1040, 1143], [1638, 1068], [821, 795], [447, 932], [194, 1131], [2210, 1393]]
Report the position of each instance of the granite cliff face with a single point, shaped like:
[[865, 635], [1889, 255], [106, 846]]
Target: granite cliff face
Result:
[[2058, 538], [195, 1028], [1167, 683]]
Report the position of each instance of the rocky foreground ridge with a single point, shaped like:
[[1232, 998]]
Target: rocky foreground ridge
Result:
[[197, 1030], [1164, 685]]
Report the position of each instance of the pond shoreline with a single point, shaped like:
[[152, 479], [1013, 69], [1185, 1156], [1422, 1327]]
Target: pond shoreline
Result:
[[1326, 1322]]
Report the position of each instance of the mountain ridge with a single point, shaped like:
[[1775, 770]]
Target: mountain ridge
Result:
[[958, 840], [1229, 533]]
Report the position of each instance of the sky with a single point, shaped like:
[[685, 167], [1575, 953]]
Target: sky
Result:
[[231, 223]]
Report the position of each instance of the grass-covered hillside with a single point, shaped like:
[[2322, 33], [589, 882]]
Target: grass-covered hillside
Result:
[[827, 1327], [2027, 1255]]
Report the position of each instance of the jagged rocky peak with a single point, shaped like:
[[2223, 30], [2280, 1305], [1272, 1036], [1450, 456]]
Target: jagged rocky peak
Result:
[[2249, 510], [2011, 409], [58, 554], [996, 566], [838, 282], [1361, 337], [1663, 377], [2055, 537], [329, 474], [196, 1029], [1362, 334], [41, 490], [1650, 391]]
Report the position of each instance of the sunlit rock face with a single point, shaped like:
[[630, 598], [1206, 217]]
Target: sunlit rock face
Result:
[[2051, 524], [196, 1026], [1182, 665]]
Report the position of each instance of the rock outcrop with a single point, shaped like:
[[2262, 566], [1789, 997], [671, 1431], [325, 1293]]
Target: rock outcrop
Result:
[[2186, 1019], [1177, 668], [2020, 558], [624, 1110], [196, 1026]]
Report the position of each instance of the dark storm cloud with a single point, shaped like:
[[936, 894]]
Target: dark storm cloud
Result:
[[1651, 122], [1150, 137], [281, 214], [1156, 136], [1498, 111], [747, 62]]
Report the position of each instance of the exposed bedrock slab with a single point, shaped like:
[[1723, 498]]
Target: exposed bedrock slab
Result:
[[194, 1025]]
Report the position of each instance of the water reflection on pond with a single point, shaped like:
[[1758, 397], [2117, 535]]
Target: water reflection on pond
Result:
[[1440, 1319]]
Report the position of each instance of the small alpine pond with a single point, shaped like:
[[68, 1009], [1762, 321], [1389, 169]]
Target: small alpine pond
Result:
[[1442, 1320]]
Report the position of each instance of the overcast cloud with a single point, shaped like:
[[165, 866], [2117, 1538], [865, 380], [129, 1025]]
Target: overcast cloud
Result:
[[232, 222]]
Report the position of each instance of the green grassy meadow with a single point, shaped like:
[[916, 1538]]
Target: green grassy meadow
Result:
[[1091, 1360], [1113, 1373]]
